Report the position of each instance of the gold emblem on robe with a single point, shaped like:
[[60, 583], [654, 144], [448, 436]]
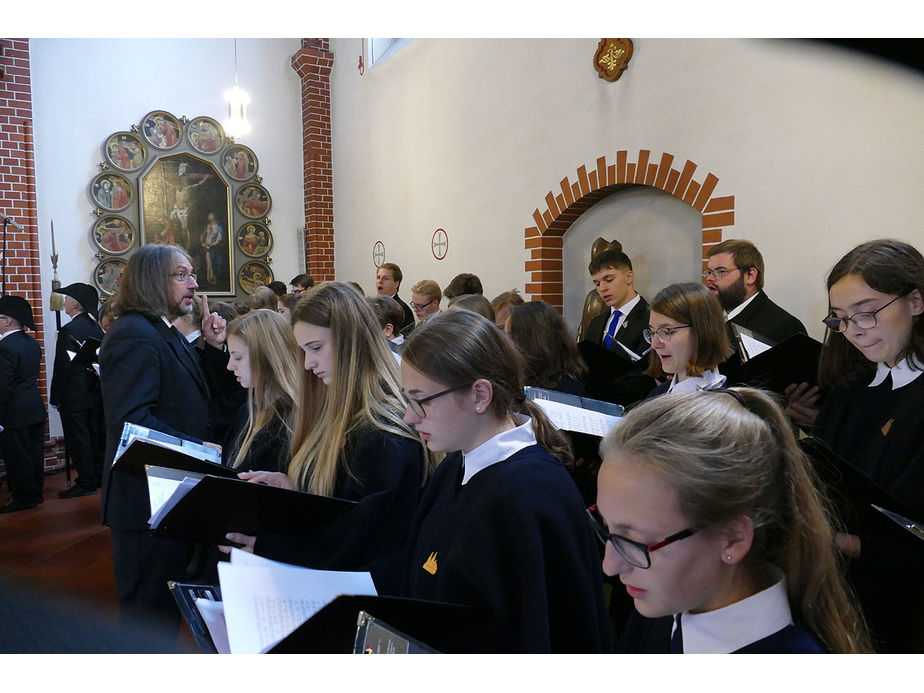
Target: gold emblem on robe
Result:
[[430, 564]]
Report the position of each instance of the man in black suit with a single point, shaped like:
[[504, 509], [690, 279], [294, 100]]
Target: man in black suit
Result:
[[619, 329], [22, 411], [75, 390], [735, 275], [153, 377], [387, 282]]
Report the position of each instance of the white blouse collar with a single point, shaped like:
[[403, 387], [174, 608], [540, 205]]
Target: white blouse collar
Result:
[[737, 625], [902, 373], [709, 380], [499, 448]]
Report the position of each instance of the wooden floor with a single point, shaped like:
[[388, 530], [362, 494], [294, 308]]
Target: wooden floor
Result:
[[59, 546]]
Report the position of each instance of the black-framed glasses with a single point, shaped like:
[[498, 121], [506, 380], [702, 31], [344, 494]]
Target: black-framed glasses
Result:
[[632, 552], [718, 272], [865, 321], [183, 277], [663, 334], [416, 405], [420, 306]]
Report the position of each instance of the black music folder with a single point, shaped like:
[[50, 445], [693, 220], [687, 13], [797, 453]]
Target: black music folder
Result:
[[607, 365], [185, 595], [140, 447], [794, 360], [88, 352], [438, 626], [206, 509]]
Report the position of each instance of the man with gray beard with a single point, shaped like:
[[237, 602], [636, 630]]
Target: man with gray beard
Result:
[[151, 376]]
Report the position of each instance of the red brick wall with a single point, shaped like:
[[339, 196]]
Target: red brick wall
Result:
[[313, 63], [17, 188], [545, 242]]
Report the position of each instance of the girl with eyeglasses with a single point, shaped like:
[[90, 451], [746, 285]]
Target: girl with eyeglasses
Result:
[[688, 339], [713, 523], [501, 526], [873, 417], [350, 440]]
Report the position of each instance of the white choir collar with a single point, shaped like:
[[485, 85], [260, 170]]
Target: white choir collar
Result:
[[902, 373], [499, 448], [709, 380], [737, 625], [740, 307]]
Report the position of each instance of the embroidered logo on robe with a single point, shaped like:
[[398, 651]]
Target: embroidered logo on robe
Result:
[[430, 564]]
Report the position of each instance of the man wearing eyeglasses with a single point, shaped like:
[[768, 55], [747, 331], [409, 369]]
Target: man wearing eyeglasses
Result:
[[301, 283], [151, 376], [735, 275], [425, 299]]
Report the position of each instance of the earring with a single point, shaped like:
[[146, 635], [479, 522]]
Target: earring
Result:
[[728, 557]]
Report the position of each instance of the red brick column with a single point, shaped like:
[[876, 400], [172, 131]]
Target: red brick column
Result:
[[17, 190], [545, 242], [313, 63]]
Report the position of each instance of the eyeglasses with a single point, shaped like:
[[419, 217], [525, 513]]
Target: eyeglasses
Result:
[[663, 334], [718, 272], [865, 321], [634, 553], [183, 277], [420, 306], [416, 405]]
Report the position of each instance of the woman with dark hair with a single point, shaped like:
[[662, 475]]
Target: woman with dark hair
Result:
[[873, 416], [501, 526], [550, 356], [688, 339], [713, 522]]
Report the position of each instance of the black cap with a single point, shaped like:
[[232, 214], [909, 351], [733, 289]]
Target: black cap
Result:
[[17, 308], [86, 295]]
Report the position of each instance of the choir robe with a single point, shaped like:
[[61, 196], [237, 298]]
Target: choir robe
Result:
[[515, 544]]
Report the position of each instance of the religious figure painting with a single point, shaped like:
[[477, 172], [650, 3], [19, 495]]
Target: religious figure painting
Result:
[[125, 151], [239, 162], [254, 240], [253, 201], [254, 274], [111, 191], [206, 135], [161, 130], [108, 275], [186, 202], [114, 235]]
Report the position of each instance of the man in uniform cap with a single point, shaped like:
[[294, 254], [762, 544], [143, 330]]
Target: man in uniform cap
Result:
[[22, 412], [75, 389]]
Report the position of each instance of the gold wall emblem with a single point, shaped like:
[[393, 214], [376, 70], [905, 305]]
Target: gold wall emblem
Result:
[[612, 57], [430, 564]]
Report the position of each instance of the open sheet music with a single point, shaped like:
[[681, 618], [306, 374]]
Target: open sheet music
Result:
[[264, 600], [573, 413]]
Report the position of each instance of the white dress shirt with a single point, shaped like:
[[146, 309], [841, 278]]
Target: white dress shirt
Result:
[[499, 448], [709, 380], [903, 372]]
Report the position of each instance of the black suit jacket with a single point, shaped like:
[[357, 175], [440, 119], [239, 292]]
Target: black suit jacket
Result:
[[766, 318], [629, 334], [74, 386], [20, 401], [151, 378], [408, 313]]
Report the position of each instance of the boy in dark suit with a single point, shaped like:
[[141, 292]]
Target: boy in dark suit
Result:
[[22, 411], [75, 390]]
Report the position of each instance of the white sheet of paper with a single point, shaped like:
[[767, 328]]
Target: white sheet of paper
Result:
[[213, 613], [264, 603], [165, 493], [753, 347], [569, 418]]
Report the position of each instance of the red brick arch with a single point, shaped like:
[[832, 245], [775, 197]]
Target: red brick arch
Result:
[[545, 240]]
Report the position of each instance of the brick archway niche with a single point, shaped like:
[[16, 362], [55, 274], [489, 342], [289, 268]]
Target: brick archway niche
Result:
[[545, 240]]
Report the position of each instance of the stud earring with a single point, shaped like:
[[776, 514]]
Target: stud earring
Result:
[[728, 557]]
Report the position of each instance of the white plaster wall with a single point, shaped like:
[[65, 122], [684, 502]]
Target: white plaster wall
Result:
[[86, 89], [822, 149]]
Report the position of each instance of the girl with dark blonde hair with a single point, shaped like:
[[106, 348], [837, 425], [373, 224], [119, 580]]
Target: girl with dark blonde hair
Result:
[[350, 441], [688, 340], [501, 525], [712, 520], [264, 358]]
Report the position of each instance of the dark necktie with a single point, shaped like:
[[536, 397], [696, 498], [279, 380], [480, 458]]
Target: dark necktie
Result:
[[677, 638], [610, 335]]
